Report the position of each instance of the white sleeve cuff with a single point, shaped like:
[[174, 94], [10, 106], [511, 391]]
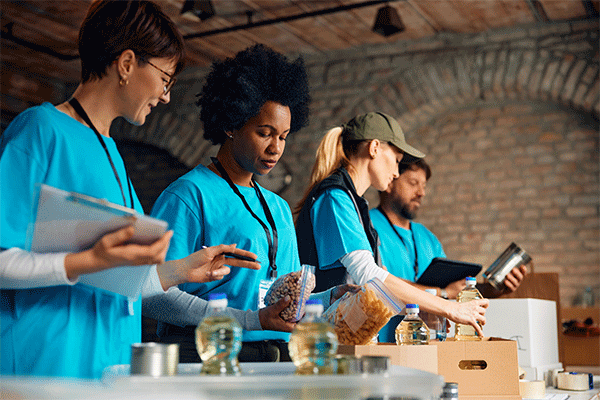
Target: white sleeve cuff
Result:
[[152, 285], [20, 269], [361, 266]]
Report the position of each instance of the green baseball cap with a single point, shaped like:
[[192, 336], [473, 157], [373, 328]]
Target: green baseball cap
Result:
[[377, 125]]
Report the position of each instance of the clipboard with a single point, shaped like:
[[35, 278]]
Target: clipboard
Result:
[[441, 272], [73, 222]]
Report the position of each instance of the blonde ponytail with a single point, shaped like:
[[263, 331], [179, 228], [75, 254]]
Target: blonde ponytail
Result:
[[330, 156]]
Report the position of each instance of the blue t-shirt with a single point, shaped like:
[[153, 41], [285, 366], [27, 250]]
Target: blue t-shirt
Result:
[[336, 227], [203, 210], [398, 254], [70, 331]]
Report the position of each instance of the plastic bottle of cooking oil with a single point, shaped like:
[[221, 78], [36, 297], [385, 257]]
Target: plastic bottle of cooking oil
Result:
[[219, 339], [313, 343], [464, 331], [412, 330], [436, 323]]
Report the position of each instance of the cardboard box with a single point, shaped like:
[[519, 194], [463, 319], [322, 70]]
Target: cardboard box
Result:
[[532, 324], [580, 350], [424, 358], [497, 376]]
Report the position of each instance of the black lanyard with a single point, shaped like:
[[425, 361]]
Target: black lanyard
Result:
[[81, 112], [416, 266], [272, 241]]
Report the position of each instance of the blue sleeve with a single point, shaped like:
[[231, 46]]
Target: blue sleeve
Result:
[[185, 222], [20, 171], [336, 227]]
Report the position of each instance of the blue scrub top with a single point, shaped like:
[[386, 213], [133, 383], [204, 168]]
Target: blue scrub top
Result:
[[68, 331], [336, 227], [399, 255], [203, 210]]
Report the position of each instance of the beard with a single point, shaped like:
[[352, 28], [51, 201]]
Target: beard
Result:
[[403, 209]]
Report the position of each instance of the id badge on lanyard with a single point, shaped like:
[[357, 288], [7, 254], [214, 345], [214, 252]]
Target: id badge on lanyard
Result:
[[263, 288]]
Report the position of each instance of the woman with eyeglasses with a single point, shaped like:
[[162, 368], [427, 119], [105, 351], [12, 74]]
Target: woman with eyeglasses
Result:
[[50, 324]]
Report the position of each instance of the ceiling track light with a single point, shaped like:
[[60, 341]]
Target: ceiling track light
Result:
[[290, 18], [388, 22]]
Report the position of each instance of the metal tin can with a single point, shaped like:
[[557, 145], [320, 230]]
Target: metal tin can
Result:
[[512, 257], [154, 359]]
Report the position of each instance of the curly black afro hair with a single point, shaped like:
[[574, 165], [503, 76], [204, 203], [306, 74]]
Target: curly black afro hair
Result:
[[237, 88]]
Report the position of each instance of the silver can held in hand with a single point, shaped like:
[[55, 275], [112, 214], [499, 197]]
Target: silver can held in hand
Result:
[[512, 257], [154, 359]]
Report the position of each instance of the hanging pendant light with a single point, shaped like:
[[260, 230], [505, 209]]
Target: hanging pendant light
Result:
[[387, 21]]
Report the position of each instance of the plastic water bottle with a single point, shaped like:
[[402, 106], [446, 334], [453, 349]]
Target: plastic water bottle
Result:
[[412, 330], [313, 343], [436, 323], [464, 331], [219, 339]]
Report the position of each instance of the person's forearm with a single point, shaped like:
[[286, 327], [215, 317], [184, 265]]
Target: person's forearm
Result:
[[361, 266], [183, 309], [20, 269]]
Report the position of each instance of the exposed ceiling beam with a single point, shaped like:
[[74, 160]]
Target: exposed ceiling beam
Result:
[[537, 9], [287, 19], [7, 33]]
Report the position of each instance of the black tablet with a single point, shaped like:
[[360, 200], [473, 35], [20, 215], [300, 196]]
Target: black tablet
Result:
[[442, 272]]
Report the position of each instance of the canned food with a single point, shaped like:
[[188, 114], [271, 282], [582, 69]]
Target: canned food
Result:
[[154, 359], [512, 257]]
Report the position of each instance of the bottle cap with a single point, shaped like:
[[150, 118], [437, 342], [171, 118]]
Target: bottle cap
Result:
[[313, 301], [217, 300], [217, 296], [470, 279], [314, 306], [412, 307]]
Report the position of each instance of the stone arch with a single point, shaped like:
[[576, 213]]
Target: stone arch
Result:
[[424, 91]]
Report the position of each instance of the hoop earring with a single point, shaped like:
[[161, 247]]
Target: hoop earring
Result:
[[123, 82]]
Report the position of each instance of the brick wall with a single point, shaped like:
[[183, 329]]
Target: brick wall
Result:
[[524, 172]]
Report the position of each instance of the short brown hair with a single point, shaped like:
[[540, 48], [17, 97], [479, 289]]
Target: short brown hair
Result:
[[113, 26], [415, 165]]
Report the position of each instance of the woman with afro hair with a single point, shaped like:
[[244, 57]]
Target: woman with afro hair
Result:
[[249, 105]]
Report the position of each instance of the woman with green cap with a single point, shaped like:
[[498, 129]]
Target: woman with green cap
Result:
[[333, 227]]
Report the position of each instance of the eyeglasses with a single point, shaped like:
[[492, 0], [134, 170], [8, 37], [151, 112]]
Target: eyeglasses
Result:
[[169, 84]]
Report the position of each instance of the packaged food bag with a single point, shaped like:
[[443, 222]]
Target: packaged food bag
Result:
[[298, 285], [358, 317]]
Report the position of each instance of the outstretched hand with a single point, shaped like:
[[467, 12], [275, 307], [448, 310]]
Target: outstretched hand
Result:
[[206, 265]]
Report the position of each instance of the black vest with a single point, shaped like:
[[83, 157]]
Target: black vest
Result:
[[307, 248]]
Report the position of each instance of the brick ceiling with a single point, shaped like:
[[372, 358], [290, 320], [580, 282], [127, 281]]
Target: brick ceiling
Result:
[[40, 36]]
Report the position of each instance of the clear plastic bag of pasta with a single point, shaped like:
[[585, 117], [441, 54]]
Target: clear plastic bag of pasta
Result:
[[298, 285], [358, 317]]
